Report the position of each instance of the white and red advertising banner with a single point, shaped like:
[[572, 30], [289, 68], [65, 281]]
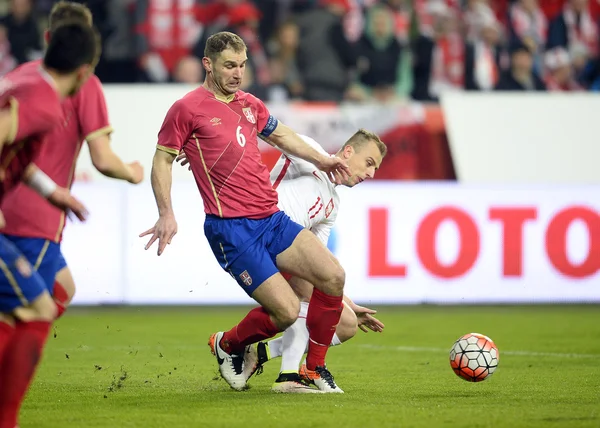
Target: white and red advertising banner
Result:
[[399, 243]]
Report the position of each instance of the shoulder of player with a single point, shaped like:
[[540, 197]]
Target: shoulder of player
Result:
[[92, 84], [248, 99], [25, 67], [193, 103], [38, 93], [92, 88]]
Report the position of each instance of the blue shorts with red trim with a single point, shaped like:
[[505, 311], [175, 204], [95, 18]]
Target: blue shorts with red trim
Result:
[[44, 255], [16, 288], [247, 248]]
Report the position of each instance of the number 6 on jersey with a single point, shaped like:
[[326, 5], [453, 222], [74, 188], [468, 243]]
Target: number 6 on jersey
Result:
[[241, 139]]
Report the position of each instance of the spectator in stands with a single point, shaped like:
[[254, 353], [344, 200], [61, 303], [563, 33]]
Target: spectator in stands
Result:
[[166, 32], [285, 78], [529, 26], [521, 76], [249, 84], [242, 18], [559, 72], [379, 54], [23, 32], [484, 57], [575, 27], [114, 19], [326, 59], [439, 60], [188, 70], [7, 61]]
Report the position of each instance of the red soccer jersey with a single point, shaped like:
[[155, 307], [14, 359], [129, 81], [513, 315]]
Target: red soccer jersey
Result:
[[35, 104], [220, 140], [27, 214]]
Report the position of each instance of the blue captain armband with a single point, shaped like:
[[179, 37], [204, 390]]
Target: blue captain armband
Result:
[[269, 127]]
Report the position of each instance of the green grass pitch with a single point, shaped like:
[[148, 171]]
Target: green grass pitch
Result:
[[151, 367]]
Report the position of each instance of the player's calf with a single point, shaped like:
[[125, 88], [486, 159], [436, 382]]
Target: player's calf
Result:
[[348, 325]]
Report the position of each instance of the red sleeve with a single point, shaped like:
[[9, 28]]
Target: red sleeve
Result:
[[35, 111], [91, 110], [262, 113], [176, 128], [265, 123]]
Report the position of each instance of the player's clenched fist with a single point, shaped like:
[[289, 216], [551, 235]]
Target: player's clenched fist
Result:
[[164, 230], [136, 171]]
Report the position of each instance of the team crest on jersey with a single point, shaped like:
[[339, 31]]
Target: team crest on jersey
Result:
[[248, 113], [329, 208], [246, 278]]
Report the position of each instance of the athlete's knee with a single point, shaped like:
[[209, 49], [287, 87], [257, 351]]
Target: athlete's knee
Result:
[[288, 314], [348, 325], [64, 286], [334, 285], [44, 308]]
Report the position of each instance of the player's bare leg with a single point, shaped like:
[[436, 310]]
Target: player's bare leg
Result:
[[64, 290], [309, 259], [279, 309]]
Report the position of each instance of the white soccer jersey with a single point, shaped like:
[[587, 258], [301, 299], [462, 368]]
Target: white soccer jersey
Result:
[[305, 193]]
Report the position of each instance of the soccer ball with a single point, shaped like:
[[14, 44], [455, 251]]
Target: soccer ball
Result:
[[474, 357]]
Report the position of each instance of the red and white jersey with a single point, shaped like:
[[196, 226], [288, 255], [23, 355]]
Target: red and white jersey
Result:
[[305, 193], [84, 117], [219, 139]]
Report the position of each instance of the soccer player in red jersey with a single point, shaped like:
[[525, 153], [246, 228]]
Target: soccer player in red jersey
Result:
[[217, 126], [31, 107], [35, 226]]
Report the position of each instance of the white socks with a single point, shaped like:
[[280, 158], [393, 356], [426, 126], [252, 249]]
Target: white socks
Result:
[[294, 343]]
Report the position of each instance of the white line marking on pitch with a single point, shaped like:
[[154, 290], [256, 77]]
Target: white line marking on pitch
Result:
[[515, 353]]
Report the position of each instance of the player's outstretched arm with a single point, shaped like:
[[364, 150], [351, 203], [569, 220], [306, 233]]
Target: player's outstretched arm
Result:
[[107, 162], [284, 138], [57, 196], [161, 177]]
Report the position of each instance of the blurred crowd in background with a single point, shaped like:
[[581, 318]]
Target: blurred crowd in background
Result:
[[338, 50]]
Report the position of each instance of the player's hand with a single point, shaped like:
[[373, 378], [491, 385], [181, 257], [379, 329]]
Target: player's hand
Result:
[[366, 320], [337, 170], [137, 172], [62, 198], [183, 160], [164, 230]]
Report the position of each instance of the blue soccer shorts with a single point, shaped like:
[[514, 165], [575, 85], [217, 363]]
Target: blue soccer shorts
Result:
[[45, 256], [247, 248], [16, 290]]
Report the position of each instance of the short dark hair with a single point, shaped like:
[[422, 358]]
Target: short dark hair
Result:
[[218, 42], [72, 45], [68, 11]]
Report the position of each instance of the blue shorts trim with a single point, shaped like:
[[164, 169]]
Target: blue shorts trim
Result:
[[16, 290], [247, 248], [45, 256]]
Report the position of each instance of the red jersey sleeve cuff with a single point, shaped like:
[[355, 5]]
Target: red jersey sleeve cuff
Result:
[[98, 133], [167, 149]]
